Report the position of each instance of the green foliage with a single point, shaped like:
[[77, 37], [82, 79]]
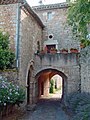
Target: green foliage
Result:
[[85, 42], [6, 55], [51, 86], [79, 18], [80, 105], [10, 93]]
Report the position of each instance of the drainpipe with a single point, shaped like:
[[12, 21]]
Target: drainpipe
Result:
[[17, 34], [18, 31]]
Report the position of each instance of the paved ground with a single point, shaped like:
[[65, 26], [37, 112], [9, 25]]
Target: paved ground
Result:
[[47, 109]]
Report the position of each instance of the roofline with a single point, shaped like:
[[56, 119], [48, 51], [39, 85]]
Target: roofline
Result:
[[26, 6], [33, 13], [51, 6], [6, 2]]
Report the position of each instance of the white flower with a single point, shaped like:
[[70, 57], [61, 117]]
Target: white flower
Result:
[[10, 90], [0, 77], [10, 93], [8, 98], [17, 86], [16, 93], [4, 104], [2, 86], [0, 101]]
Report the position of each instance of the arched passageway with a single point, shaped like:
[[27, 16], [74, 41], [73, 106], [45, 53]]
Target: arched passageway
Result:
[[55, 87], [45, 76]]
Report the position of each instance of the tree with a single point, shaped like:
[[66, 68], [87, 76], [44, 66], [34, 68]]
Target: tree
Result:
[[79, 19], [6, 55], [51, 86]]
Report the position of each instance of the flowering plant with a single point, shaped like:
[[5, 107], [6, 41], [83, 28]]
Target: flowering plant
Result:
[[10, 93]]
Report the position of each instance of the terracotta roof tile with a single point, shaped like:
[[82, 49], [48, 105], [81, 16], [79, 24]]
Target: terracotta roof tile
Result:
[[2, 2]]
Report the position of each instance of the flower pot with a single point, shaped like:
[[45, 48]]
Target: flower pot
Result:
[[82, 45], [42, 52], [73, 50], [53, 51], [64, 51]]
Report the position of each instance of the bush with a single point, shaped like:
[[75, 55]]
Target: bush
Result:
[[51, 86], [7, 57], [10, 93], [80, 105]]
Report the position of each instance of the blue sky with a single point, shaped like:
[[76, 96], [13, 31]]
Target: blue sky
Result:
[[36, 2]]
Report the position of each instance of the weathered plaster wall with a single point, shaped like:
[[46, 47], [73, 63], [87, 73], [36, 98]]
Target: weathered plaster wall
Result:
[[30, 33]]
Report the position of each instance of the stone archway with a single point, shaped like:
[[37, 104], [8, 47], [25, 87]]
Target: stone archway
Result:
[[29, 83], [43, 78]]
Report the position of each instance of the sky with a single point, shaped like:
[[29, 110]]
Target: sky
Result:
[[36, 2]]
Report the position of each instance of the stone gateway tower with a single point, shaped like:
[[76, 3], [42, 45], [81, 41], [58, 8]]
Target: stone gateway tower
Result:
[[52, 60], [54, 17]]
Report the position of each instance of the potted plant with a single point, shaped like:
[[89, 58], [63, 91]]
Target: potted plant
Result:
[[74, 50], [53, 50], [82, 45], [64, 50], [42, 52]]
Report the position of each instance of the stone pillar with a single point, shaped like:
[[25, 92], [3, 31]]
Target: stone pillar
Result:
[[35, 92], [31, 92], [46, 87], [33, 100]]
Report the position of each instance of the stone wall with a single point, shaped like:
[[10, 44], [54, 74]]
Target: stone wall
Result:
[[8, 21], [11, 75], [30, 33], [58, 59], [85, 70], [56, 24], [20, 21], [66, 67]]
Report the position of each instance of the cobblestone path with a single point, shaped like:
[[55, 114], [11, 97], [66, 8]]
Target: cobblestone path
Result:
[[47, 109]]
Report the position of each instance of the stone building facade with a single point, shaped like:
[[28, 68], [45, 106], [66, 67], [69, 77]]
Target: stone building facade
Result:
[[54, 17], [25, 30], [85, 70], [28, 34], [65, 65]]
